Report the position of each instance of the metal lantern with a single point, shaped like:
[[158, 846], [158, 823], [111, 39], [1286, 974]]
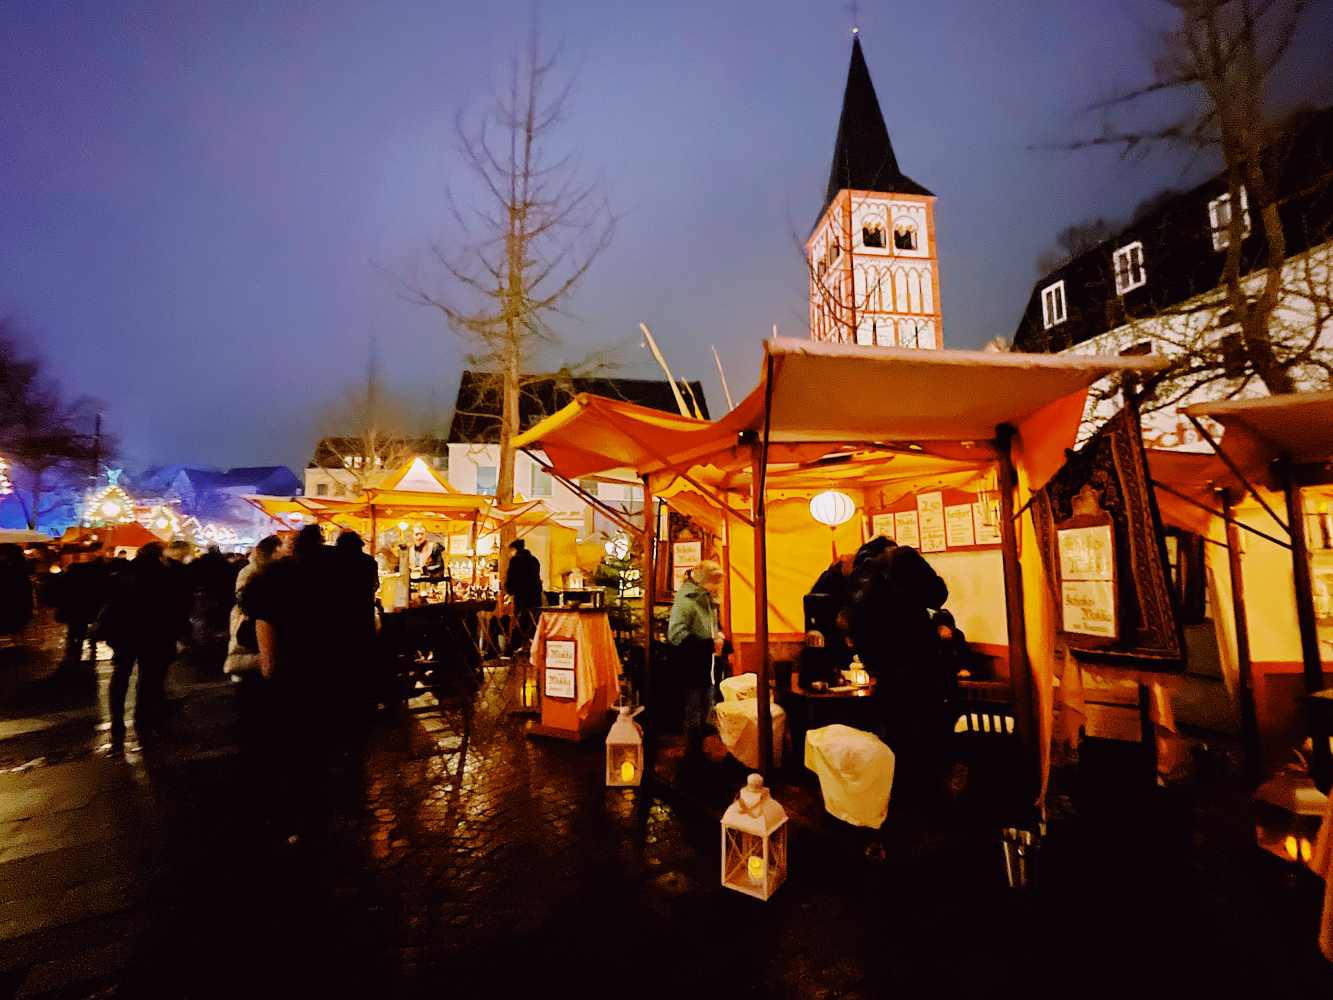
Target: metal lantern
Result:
[[624, 751], [754, 842]]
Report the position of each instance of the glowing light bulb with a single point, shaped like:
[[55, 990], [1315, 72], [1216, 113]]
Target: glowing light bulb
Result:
[[627, 771], [1292, 848], [1305, 850], [110, 508], [755, 868]]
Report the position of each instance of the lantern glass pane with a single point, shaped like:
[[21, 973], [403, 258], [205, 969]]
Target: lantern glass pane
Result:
[[624, 764]]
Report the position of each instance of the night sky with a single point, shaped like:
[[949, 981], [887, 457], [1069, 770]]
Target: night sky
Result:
[[199, 203]]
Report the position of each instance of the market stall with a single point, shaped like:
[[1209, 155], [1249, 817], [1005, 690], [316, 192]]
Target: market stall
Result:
[[438, 554], [903, 429]]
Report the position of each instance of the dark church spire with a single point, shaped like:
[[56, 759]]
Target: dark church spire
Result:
[[863, 157]]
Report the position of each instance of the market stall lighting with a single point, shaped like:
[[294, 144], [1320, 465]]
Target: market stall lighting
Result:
[[754, 842], [624, 751], [6, 487], [832, 508]]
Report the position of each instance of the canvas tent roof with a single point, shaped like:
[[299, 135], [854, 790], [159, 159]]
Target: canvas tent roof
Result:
[[1295, 426], [940, 401]]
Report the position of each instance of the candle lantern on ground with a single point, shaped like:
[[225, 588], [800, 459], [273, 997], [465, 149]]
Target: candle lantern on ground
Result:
[[832, 508], [754, 842], [1288, 809], [624, 751]]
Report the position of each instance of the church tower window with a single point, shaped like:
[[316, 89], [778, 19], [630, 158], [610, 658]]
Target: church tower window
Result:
[[872, 234], [904, 235]]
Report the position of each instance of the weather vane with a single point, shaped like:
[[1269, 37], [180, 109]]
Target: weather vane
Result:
[[854, 8]]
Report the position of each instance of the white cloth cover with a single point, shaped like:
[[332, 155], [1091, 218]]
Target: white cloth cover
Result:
[[738, 726], [855, 772], [739, 687]]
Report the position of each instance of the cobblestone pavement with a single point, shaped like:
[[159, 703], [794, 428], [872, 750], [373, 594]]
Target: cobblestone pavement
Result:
[[466, 859]]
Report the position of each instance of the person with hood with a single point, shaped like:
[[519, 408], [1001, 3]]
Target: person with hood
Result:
[[243, 647], [696, 640], [523, 584], [356, 583]]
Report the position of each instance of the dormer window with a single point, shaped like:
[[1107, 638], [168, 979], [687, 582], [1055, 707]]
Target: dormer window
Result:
[[872, 234], [904, 235], [1129, 270], [1219, 217], [1053, 305]]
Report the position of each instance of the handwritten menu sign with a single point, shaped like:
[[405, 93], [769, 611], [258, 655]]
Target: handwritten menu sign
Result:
[[560, 658], [958, 525], [881, 524], [905, 528], [987, 534], [930, 513], [1087, 580]]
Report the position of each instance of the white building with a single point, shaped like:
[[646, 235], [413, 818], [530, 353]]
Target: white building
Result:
[[1156, 287]]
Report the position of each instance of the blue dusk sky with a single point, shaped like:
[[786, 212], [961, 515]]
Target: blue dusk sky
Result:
[[202, 204]]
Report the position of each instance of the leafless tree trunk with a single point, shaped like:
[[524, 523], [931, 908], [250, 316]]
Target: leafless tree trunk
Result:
[[527, 244], [1226, 50]]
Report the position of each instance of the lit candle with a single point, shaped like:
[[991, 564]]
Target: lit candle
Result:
[[627, 771], [755, 867], [1305, 850], [1291, 847]]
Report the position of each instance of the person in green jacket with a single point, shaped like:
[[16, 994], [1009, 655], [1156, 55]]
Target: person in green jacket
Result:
[[696, 639]]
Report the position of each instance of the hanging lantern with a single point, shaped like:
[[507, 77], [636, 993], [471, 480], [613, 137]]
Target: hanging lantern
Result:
[[832, 508], [754, 842], [624, 751]]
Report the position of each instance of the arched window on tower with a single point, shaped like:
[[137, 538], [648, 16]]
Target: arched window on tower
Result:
[[833, 250], [904, 235], [872, 234]]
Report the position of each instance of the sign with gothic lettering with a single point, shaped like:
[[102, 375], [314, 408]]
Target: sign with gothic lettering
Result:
[[1100, 536]]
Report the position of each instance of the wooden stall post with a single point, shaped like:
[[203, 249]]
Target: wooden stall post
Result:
[[1312, 666], [1020, 677], [1249, 727], [648, 580], [757, 508]]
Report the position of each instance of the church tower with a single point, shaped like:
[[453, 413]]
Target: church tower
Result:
[[874, 274]]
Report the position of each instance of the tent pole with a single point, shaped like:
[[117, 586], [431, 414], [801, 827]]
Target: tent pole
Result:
[[1020, 679], [1249, 729], [758, 508], [648, 580], [1235, 471], [1312, 667]]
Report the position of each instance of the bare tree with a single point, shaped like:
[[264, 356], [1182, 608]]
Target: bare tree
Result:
[[1225, 52], [1074, 241], [370, 429], [40, 431], [526, 246]]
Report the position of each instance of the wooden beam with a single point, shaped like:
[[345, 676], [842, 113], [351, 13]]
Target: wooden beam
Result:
[[1249, 726], [1020, 676], [648, 586], [1312, 666]]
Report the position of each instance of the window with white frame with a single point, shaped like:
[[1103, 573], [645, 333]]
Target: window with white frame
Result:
[[1129, 270], [541, 482], [1219, 217], [486, 480], [1053, 304]]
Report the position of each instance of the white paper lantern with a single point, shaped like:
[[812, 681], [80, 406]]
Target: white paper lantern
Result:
[[832, 508], [754, 842], [624, 751]]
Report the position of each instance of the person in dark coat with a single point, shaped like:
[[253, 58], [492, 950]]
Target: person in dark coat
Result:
[[15, 590], [79, 595], [523, 584], [358, 582], [292, 601], [149, 613], [895, 593], [829, 610]]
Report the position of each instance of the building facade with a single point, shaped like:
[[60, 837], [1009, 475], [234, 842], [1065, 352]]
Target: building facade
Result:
[[872, 260], [1157, 287]]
